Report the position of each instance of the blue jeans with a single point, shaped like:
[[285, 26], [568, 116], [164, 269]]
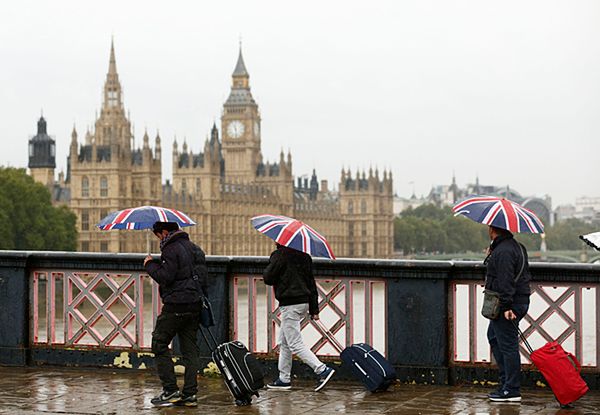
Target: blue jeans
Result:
[[504, 340]]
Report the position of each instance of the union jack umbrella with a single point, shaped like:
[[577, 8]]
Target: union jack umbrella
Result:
[[293, 234], [499, 212], [143, 217], [592, 239]]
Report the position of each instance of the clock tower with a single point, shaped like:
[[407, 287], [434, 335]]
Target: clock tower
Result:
[[240, 127]]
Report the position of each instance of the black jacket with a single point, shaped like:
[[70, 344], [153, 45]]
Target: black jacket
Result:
[[178, 289], [290, 272], [503, 265]]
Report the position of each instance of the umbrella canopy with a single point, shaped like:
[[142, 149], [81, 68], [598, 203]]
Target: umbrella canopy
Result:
[[499, 212], [293, 234], [143, 217], [592, 239]]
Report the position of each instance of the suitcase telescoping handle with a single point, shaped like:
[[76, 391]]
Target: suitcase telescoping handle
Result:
[[212, 337], [336, 344], [523, 338]]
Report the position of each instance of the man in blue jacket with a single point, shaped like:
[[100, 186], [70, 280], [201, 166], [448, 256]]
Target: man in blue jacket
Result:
[[181, 293], [290, 272], [507, 273]]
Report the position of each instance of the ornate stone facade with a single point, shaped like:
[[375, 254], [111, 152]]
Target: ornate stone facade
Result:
[[221, 188]]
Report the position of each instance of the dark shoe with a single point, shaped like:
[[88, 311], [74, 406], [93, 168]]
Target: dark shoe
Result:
[[505, 396], [166, 399], [495, 392], [280, 385], [324, 377], [187, 400]]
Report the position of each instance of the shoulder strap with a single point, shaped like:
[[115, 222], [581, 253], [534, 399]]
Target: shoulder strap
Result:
[[522, 263], [191, 254]]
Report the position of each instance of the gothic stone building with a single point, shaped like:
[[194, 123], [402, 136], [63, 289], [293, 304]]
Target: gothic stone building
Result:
[[221, 188]]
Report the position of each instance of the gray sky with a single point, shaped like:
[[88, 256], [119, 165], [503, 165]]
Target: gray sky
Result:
[[507, 90]]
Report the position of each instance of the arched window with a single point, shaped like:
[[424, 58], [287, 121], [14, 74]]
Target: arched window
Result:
[[350, 207], [85, 187], [103, 186], [363, 206], [183, 185], [197, 185]]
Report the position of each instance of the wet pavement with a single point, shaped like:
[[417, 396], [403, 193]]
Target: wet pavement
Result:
[[77, 391]]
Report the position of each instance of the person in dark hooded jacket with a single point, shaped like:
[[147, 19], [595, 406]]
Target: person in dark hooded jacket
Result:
[[507, 274], [290, 273], [181, 293]]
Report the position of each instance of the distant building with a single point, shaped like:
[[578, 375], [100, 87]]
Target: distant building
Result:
[[448, 195], [221, 187], [586, 209]]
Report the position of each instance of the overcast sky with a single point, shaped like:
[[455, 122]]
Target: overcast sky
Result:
[[507, 90]]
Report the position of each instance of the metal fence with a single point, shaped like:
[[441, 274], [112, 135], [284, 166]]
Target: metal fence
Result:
[[568, 313], [352, 309], [93, 309]]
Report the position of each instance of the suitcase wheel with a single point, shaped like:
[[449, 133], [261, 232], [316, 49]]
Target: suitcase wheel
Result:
[[243, 402]]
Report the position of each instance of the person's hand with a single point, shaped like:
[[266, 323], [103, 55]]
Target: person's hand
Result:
[[510, 315], [148, 258], [314, 317]]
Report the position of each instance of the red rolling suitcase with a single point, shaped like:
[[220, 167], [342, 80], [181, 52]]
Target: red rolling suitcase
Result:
[[560, 369]]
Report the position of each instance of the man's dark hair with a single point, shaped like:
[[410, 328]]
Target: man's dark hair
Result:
[[500, 231], [158, 227]]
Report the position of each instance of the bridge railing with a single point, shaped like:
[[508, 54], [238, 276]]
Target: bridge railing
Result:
[[99, 310]]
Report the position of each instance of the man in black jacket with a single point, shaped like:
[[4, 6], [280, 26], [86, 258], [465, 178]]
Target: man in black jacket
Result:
[[507, 274], [290, 272], [180, 290]]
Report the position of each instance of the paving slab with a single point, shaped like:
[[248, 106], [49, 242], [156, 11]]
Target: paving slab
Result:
[[50, 391]]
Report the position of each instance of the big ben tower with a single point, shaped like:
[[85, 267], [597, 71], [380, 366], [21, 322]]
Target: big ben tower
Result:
[[240, 126]]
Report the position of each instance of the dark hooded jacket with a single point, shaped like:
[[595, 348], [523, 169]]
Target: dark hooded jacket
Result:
[[179, 288], [503, 265], [290, 272]]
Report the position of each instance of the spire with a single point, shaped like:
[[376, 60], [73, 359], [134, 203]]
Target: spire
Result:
[[112, 86], [41, 126], [146, 139], [112, 65], [74, 135], [240, 67]]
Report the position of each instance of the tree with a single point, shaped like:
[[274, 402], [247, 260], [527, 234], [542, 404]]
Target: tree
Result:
[[27, 217], [564, 235]]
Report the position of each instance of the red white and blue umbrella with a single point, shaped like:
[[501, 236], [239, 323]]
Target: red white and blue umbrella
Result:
[[293, 234], [499, 212], [143, 217]]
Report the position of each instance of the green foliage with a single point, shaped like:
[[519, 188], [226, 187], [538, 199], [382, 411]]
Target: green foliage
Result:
[[27, 217], [564, 235], [432, 229], [429, 229]]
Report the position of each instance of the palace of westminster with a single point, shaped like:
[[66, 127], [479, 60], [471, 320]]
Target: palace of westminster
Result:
[[220, 188]]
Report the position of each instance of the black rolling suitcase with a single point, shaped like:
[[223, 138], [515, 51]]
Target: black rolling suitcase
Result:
[[366, 363], [240, 370]]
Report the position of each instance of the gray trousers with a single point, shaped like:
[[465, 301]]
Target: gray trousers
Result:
[[290, 342]]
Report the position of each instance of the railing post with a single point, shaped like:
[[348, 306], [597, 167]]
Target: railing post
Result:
[[14, 309], [418, 324]]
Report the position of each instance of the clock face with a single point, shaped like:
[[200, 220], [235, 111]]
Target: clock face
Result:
[[235, 129], [256, 128]]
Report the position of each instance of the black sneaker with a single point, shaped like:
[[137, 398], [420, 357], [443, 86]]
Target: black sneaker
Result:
[[187, 400], [505, 396], [166, 399], [324, 377], [280, 385]]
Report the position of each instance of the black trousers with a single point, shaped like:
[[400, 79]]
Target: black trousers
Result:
[[184, 325]]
